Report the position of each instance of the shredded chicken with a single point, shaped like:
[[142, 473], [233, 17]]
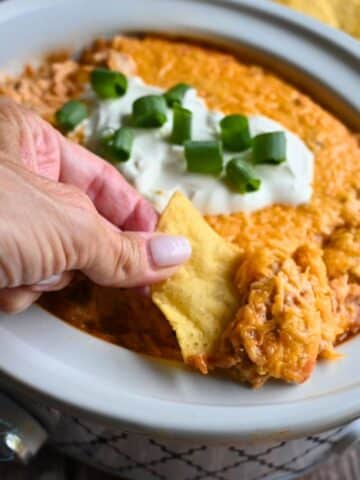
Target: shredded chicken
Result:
[[287, 318]]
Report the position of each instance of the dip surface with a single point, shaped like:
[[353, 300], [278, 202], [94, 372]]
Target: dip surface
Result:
[[157, 168], [298, 252]]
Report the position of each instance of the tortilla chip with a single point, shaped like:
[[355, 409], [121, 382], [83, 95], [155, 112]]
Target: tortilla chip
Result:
[[200, 299], [336, 13]]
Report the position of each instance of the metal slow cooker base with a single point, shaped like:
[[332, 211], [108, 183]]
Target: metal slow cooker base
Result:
[[138, 457]]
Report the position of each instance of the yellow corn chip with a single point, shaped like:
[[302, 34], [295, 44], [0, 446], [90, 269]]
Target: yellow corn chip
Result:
[[344, 14], [200, 299]]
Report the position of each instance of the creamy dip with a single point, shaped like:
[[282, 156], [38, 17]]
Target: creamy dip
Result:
[[157, 168]]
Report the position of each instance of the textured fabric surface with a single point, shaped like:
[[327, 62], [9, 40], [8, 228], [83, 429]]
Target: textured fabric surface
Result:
[[52, 466]]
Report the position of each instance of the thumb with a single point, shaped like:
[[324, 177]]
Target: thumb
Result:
[[129, 259]]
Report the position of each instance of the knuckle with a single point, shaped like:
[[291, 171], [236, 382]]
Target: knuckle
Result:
[[79, 226], [86, 229], [128, 258], [82, 200], [15, 302], [75, 197], [6, 274], [10, 112], [7, 105], [9, 258], [88, 223]]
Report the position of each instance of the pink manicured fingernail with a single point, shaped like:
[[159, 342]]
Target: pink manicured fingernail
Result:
[[167, 251], [53, 280]]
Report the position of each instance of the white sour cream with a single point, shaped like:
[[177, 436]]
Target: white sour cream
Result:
[[157, 168]]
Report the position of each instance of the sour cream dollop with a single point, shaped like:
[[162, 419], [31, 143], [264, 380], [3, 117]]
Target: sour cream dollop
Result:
[[157, 168]]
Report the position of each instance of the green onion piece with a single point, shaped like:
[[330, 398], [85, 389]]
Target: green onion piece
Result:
[[269, 148], [182, 121], [70, 115], [149, 111], [175, 94], [116, 147], [204, 157], [241, 176], [107, 83], [235, 133]]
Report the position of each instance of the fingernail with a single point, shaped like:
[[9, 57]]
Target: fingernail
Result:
[[167, 251], [53, 280]]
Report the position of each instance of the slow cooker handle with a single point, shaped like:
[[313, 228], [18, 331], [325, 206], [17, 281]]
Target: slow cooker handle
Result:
[[21, 435]]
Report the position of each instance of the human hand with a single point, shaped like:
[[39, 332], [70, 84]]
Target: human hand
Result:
[[62, 208]]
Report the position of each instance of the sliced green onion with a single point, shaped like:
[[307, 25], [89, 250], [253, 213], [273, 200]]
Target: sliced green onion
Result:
[[182, 121], [107, 83], [241, 176], [149, 111], [269, 148], [70, 115], [204, 157], [235, 133], [175, 94], [116, 146]]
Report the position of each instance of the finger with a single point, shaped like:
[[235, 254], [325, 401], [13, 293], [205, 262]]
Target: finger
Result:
[[27, 139], [45, 151], [134, 259], [11, 125], [113, 197], [53, 283], [14, 300]]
